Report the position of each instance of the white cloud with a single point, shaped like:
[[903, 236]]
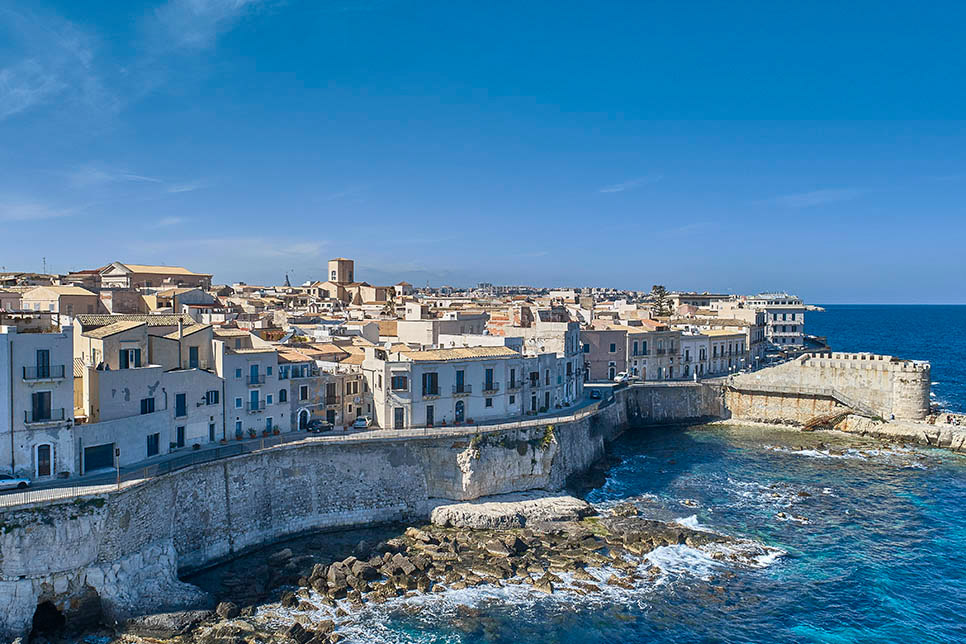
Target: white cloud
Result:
[[86, 176], [815, 198], [170, 221], [196, 24], [13, 209], [633, 183], [187, 187], [55, 63]]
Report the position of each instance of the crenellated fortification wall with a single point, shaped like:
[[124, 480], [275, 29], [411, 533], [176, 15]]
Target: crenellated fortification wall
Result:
[[824, 383]]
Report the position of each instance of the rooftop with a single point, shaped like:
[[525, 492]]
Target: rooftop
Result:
[[111, 329], [460, 353]]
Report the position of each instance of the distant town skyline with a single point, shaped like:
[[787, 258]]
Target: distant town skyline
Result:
[[549, 145]]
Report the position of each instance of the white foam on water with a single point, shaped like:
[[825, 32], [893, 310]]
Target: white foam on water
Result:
[[693, 523]]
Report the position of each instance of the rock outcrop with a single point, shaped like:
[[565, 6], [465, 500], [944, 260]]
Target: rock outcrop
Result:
[[510, 511]]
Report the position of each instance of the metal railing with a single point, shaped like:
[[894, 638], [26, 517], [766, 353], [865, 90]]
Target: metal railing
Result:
[[255, 380], [45, 372], [252, 407], [491, 387], [331, 400], [45, 416], [459, 390]]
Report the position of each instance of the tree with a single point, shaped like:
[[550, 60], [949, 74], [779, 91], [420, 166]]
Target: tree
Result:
[[660, 303]]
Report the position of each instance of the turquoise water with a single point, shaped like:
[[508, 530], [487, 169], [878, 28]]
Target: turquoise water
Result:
[[873, 541]]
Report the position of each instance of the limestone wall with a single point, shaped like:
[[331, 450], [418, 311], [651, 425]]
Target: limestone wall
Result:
[[126, 547], [885, 385], [779, 408]]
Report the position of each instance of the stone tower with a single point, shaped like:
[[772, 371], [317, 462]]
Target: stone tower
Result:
[[341, 270]]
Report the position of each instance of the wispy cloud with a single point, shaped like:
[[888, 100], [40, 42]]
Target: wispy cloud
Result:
[[196, 24], [17, 209], [633, 183], [815, 198], [86, 176], [55, 63], [164, 222], [187, 187]]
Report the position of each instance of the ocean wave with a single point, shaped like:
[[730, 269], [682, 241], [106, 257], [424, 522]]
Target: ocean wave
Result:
[[693, 523]]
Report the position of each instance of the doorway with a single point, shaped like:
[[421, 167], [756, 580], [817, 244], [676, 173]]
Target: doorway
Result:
[[44, 461], [460, 411]]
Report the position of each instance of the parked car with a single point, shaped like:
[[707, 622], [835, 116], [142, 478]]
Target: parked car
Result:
[[362, 422], [317, 425], [595, 394], [621, 377], [8, 482]]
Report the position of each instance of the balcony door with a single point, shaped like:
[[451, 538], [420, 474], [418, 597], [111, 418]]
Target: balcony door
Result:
[[43, 363], [253, 399], [253, 374], [192, 357], [41, 405]]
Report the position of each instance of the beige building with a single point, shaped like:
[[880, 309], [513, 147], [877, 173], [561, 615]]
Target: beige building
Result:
[[65, 301], [119, 275]]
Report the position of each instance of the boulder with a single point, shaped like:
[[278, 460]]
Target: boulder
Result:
[[165, 625], [227, 610], [511, 511]]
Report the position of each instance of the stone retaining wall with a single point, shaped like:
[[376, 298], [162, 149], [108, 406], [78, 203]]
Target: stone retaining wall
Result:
[[126, 547]]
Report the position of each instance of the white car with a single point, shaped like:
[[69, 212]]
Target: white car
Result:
[[8, 482], [362, 422], [621, 377]]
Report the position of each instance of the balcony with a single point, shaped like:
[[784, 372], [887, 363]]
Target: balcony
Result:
[[254, 407], [196, 364], [515, 386], [35, 417], [431, 394], [491, 387], [49, 372], [254, 381], [462, 390], [331, 400]]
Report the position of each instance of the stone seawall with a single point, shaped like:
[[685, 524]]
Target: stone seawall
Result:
[[121, 551], [780, 408]]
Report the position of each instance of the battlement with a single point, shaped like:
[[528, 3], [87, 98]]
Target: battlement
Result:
[[863, 361]]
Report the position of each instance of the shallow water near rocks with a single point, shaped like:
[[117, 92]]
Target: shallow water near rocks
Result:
[[872, 538]]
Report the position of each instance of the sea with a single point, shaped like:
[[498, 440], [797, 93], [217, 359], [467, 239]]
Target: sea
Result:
[[868, 541]]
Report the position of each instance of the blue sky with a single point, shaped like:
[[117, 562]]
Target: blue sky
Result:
[[724, 146]]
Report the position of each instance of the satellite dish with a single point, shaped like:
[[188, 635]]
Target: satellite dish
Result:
[[388, 345]]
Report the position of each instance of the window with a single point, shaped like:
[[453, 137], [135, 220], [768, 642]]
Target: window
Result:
[[379, 382], [282, 395], [460, 381], [129, 358], [268, 371], [546, 377], [180, 405], [179, 433], [41, 405], [147, 405], [238, 343], [238, 428], [635, 347], [513, 378], [430, 384], [212, 397], [154, 444], [513, 399], [211, 432], [488, 402], [238, 373], [398, 417], [268, 399], [399, 383], [43, 363], [586, 348], [238, 402], [488, 380], [613, 347], [303, 392], [644, 348]]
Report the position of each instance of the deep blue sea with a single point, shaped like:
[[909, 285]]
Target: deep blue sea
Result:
[[871, 538]]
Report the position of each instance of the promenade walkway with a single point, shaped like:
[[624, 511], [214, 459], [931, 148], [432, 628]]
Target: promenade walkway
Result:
[[107, 480]]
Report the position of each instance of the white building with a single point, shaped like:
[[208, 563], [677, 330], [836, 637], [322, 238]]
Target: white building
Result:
[[36, 402], [444, 386], [784, 319]]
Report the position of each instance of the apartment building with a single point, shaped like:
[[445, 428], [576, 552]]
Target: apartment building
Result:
[[36, 402], [784, 319], [695, 349], [64, 301], [249, 367], [729, 352], [426, 388], [644, 352]]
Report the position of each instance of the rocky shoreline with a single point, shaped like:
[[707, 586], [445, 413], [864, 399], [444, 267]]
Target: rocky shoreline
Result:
[[550, 545]]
